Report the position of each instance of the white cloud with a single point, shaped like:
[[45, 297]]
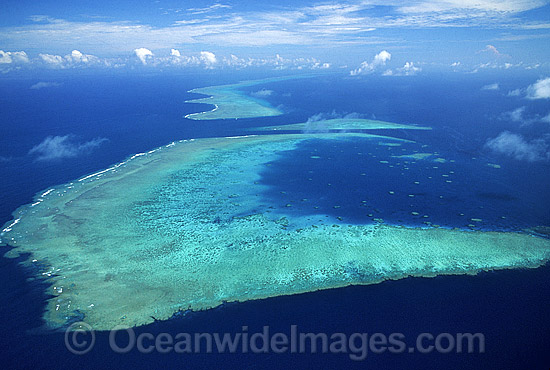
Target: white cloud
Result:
[[491, 50], [379, 60], [5, 58], [494, 86], [175, 59], [42, 85], [60, 147], [508, 6], [277, 62], [515, 146], [143, 54], [516, 92], [262, 93], [54, 60], [540, 89], [74, 59], [208, 9], [500, 65], [318, 65], [208, 57], [516, 115], [409, 69], [9, 57], [533, 66], [332, 115], [324, 24], [317, 122], [77, 57]]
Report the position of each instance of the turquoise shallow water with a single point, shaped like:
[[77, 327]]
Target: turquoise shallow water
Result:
[[185, 227]]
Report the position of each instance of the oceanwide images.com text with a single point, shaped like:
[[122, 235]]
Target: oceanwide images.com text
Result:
[[80, 339]]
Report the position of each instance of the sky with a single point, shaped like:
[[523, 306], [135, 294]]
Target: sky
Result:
[[386, 36]]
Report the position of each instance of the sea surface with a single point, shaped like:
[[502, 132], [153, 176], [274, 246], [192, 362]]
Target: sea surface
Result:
[[359, 182]]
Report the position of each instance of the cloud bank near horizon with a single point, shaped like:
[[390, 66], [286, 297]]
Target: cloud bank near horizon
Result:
[[306, 23], [145, 58], [305, 28]]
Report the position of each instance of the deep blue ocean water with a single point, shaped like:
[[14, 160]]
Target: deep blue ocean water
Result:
[[136, 113], [344, 181]]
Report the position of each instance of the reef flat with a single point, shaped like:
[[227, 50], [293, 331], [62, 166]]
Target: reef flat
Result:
[[186, 227], [341, 124], [434, 157], [230, 102]]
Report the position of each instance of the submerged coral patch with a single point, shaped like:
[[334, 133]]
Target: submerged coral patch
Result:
[[231, 102], [186, 227], [342, 124]]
